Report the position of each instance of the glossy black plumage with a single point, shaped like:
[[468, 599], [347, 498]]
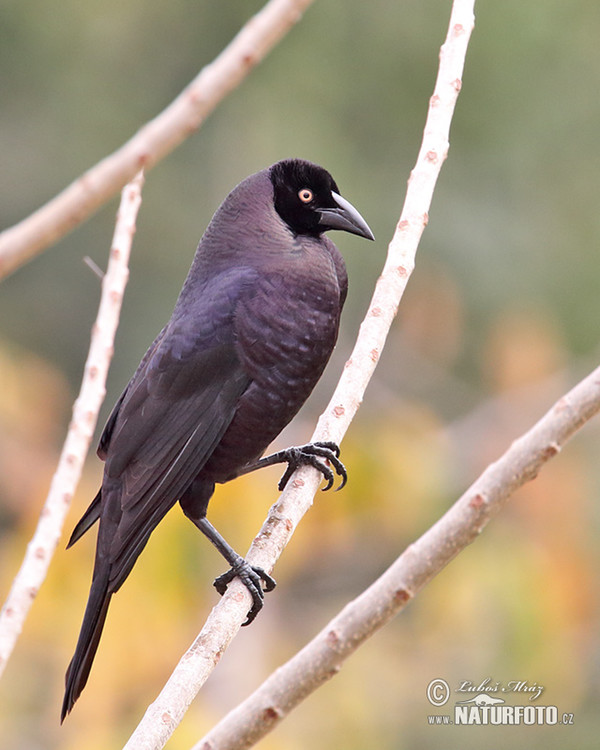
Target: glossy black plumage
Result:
[[250, 335]]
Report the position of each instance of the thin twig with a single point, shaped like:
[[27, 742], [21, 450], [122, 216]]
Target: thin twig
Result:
[[85, 414], [93, 266], [224, 621], [322, 658], [155, 140]]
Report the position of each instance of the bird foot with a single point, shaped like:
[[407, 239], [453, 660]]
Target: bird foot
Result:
[[251, 576], [313, 454]]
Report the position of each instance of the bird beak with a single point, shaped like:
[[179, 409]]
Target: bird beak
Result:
[[344, 217]]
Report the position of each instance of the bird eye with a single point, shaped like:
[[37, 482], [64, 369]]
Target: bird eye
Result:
[[305, 195]]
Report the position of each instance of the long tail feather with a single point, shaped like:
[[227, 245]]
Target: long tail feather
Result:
[[89, 637]]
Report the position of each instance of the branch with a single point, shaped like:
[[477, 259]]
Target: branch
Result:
[[224, 621], [76, 203], [323, 657], [85, 415]]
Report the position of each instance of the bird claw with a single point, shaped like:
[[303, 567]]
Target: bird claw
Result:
[[251, 576], [312, 455]]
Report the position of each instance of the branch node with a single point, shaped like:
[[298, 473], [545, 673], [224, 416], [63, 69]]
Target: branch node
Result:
[[550, 450], [249, 60], [477, 501], [401, 596], [271, 714], [333, 639]]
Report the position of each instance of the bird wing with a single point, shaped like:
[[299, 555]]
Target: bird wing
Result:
[[157, 456], [169, 420]]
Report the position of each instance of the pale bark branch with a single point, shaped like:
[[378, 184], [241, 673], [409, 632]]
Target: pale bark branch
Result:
[[155, 140], [85, 415], [224, 621], [323, 657]]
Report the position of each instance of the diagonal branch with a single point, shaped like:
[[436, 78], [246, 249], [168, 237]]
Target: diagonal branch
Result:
[[322, 658], [224, 621], [85, 415], [76, 203]]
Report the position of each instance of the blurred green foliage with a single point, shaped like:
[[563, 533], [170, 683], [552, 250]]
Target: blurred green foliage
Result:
[[499, 318]]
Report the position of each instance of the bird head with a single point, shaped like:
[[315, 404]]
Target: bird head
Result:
[[308, 200]]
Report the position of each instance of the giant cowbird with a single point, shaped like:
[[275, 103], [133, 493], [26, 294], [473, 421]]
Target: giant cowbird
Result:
[[252, 330]]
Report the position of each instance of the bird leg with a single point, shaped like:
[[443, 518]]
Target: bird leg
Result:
[[250, 575], [311, 454]]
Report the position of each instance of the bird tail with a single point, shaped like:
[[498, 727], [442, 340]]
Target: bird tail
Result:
[[89, 637]]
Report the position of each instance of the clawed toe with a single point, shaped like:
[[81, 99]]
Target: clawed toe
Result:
[[252, 577], [313, 454]]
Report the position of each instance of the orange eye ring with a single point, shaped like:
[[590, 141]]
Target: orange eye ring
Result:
[[305, 195]]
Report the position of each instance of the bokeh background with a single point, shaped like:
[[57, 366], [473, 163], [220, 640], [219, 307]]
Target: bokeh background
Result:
[[500, 317]]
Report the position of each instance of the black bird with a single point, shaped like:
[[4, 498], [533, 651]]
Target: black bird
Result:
[[252, 330]]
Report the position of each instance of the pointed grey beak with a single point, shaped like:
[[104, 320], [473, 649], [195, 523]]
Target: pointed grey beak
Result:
[[345, 217]]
